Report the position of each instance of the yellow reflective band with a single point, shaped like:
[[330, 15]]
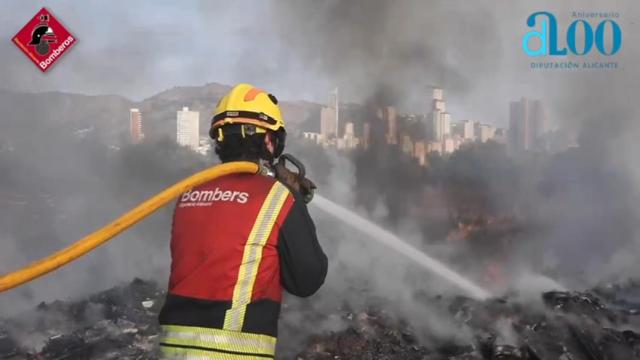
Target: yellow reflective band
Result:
[[171, 353], [252, 255], [218, 339]]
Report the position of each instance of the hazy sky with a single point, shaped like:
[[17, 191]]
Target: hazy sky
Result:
[[301, 49]]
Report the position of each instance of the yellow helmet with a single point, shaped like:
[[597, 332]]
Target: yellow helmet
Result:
[[248, 105]]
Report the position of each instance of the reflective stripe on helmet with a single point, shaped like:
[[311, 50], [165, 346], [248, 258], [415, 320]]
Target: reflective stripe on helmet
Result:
[[246, 115], [252, 255]]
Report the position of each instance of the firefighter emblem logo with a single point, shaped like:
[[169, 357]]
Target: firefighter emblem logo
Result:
[[42, 35], [44, 40]]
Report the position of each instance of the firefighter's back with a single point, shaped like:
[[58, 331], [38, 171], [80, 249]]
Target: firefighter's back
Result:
[[224, 291]]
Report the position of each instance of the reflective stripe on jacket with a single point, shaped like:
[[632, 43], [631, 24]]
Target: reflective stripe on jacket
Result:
[[188, 342], [236, 241]]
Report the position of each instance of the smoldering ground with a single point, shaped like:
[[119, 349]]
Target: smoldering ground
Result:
[[564, 240]]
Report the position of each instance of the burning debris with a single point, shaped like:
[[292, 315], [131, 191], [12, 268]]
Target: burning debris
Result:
[[567, 325], [121, 323]]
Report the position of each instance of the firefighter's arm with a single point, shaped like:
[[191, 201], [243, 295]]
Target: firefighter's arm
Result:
[[303, 264]]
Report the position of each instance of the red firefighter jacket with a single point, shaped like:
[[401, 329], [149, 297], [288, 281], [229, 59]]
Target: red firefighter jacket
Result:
[[236, 242]]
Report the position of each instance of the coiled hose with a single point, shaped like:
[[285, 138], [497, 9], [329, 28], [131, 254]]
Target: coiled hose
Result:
[[133, 216]]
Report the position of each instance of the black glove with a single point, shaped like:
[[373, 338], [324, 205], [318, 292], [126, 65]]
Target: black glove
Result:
[[295, 181]]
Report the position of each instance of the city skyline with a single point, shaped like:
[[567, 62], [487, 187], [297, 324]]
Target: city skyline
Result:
[[417, 135]]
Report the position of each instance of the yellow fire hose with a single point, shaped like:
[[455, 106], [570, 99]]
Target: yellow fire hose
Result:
[[99, 237]]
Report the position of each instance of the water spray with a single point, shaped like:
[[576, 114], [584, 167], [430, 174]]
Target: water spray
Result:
[[392, 241]]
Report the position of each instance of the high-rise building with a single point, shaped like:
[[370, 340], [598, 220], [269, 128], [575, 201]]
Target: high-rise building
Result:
[[366, 135], [434, 146], [135, 126], [351, 141], [519, 125], [484, 132], [448, 145], [330, 118], [188, 128], [313, 136], [467, 132], [464, 130], [539, 124], [528, 124], [439, 124], [391, 119], [437, 94], [328, 123], [407, 145], [335, 103], [349, 129], [420, 152], [446, 123], [435, 125]]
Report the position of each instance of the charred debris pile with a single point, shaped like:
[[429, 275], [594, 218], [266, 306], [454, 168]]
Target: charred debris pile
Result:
[[599, 324], [121, 323]]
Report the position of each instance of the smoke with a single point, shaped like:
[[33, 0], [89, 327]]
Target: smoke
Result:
[[363, 274], [387, 53], [61, 187], [401, 47], [569, 219], [578, 209]]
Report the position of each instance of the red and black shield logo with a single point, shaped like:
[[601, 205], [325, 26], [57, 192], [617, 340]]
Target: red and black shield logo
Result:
[[44, 40]]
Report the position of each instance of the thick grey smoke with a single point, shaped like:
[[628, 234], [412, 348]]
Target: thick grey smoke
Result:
[[64, 175], [402, 47], [473, 50]]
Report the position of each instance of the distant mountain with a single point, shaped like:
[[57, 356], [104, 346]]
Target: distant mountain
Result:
[[30, 115], [187, 93], [159, 111]]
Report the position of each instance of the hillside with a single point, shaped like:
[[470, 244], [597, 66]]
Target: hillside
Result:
[[30, 116], [24, 116], [159, 111]]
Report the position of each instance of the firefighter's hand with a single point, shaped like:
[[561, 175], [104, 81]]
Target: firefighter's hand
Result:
[[298, 183]]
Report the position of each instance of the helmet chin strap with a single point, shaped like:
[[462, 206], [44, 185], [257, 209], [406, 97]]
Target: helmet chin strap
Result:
[[269, 148], [268, 143]]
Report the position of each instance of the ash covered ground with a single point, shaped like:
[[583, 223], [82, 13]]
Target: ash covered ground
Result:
[[121, 323]]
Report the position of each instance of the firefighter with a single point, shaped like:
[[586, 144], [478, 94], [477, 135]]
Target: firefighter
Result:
[[238, 241]]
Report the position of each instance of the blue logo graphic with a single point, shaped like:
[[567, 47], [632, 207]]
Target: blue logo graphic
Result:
[[607, 36]]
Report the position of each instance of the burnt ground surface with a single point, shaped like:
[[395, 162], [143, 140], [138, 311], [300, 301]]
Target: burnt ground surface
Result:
[[121, 323]]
